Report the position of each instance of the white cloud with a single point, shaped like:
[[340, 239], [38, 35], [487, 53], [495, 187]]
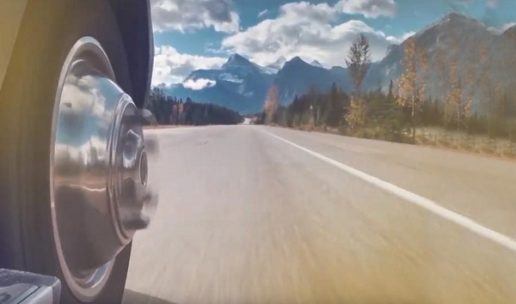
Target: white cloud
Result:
[[199, 84], [171, 67], [492, 3], [489, 3], [305, 30], [399, 40], [263, 13], [368, 8], [184, 15]]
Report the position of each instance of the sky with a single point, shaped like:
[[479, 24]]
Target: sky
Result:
[[202, 34]]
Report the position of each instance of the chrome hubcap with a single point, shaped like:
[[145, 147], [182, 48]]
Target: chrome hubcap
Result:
[[98, 170]]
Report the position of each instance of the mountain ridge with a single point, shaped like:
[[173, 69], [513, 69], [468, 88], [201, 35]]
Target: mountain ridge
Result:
[[242, 85], [455, 39]]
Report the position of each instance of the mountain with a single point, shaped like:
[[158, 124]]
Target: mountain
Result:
[[278, 64], [239, 84], [297, 77], [481, 56], [510, 33], [242, 85], [316, 63]]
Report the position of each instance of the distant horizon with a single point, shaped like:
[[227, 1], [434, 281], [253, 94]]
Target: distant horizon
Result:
[[316, 63], [192, 35]]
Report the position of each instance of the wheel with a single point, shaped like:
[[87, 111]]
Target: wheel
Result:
[[72, 160]]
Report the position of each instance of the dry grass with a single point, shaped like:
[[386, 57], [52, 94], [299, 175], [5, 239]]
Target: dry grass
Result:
[[466, 142]]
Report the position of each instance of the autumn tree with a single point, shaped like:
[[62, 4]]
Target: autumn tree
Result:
[[358, 62], [271, 104], [357, 114], [457, 103], [460, 78], [411, 88]]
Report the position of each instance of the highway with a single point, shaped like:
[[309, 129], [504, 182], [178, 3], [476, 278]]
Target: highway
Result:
[[253, 214]]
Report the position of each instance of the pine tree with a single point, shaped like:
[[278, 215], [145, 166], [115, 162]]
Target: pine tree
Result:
[[391, 90], [334, 108]]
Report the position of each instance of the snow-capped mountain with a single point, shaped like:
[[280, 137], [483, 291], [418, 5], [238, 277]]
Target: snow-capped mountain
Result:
[[239, 84], [510, 33], [242, 85]]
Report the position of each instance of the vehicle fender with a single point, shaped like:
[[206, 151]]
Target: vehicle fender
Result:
[[134, 20], [11, 14]]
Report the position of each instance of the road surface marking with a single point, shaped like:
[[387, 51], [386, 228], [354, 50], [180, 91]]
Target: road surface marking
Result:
[[411, 197], [151, 130]]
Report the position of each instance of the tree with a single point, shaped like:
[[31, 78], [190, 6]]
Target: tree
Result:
[[159, 105], [458, 105], [391, 90], [169, 110], [271, 104], [335, 108], [358, 61], [356, 116], [459, 99], [411, 84]]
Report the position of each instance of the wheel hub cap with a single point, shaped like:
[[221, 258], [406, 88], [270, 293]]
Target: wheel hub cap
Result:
[[98, 168]]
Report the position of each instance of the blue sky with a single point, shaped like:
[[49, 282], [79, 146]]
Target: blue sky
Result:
[[195, 34]]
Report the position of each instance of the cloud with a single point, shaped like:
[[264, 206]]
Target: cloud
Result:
[[184, 15], [457, 4], [305, 30], [263, 13], [303, 10], [400, 39], [368, 8], [492, 3], [199, 84], [172, 67]]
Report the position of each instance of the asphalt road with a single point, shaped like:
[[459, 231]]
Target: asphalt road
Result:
[[253, 214]]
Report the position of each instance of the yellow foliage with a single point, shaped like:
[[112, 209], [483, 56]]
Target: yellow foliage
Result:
[[411, 86], [356, 116], [271, 104]]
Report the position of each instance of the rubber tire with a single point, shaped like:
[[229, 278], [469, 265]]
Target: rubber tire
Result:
[[49, 30]]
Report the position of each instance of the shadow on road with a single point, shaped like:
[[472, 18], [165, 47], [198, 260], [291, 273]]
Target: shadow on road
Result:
[[133, 297]]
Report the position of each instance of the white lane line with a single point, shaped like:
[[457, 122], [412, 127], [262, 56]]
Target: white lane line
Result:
[[413, 198], [168, 130]]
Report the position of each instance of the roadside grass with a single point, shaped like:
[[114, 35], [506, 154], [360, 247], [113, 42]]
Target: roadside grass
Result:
[[458, 140], [430, 136]]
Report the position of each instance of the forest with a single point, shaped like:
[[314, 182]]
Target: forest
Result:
[[172, 111], [403, 112]]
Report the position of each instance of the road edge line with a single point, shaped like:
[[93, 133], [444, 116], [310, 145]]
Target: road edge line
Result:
[[411, 197]]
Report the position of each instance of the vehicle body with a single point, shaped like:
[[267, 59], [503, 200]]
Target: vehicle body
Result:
[[74, 76], [131, 15]]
